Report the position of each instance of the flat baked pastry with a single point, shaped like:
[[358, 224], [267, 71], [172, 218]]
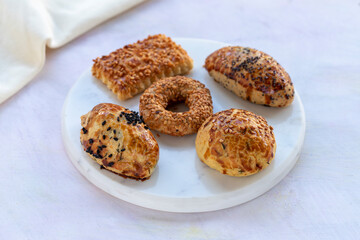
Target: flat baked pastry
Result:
[[252, 75], [236, 142], [131, 69], [118, 140]]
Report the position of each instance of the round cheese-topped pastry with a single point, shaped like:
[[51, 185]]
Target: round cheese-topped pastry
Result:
[[236, 142]]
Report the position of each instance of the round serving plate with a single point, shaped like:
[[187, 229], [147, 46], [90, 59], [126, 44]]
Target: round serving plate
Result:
[[181, 182]]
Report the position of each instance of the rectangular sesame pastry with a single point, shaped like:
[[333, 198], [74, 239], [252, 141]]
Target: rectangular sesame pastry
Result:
[[133, 68]]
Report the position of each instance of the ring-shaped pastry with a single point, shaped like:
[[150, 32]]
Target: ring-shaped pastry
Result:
[[170, 90]]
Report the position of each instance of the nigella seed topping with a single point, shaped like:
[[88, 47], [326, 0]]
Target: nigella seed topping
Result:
[[104, 137], [91, 141], [109, 128], [103, 123], [123, 149], [132, 118], [115, 138], [97, 156], [110, 155], [84, 130]]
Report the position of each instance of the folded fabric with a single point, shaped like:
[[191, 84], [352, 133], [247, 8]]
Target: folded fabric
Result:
[[28, 26]]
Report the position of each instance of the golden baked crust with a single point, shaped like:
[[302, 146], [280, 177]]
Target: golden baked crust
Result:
[[118, 140], [251, 74], [131, 69], [155, 99], [236, 142]]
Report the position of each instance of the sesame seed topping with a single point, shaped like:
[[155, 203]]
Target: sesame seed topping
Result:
[[141, 60], [154, 100], [84, 130]]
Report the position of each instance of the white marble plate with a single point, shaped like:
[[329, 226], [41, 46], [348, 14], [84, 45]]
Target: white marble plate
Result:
[[181, 183]]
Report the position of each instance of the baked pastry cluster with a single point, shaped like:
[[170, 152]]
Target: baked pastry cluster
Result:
[[118, 140], [236, 142], [133, 68], [157, 97], [251, 74]]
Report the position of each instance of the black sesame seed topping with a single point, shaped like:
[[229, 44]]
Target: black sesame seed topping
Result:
[[88, 149], [114, 131], [104, 137], [110, 155], [146, 127], [98, 151], [116, 139], [110, 164], [84, 130], [101, 167], [118, 119], [123, 149], [133, 118], [91, 141], [97, 156], [109, 128], [103, 146], [103, 123]]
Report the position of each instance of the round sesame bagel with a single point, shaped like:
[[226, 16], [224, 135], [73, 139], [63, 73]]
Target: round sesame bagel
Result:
[[159, 95], [236, 142]]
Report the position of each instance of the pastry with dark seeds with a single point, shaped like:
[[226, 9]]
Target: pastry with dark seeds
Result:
[[252, 75], [118, 140]]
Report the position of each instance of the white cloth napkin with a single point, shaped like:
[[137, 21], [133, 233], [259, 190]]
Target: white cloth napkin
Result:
[[28, 26]]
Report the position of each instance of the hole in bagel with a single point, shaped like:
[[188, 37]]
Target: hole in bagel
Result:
[[177, 107]]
